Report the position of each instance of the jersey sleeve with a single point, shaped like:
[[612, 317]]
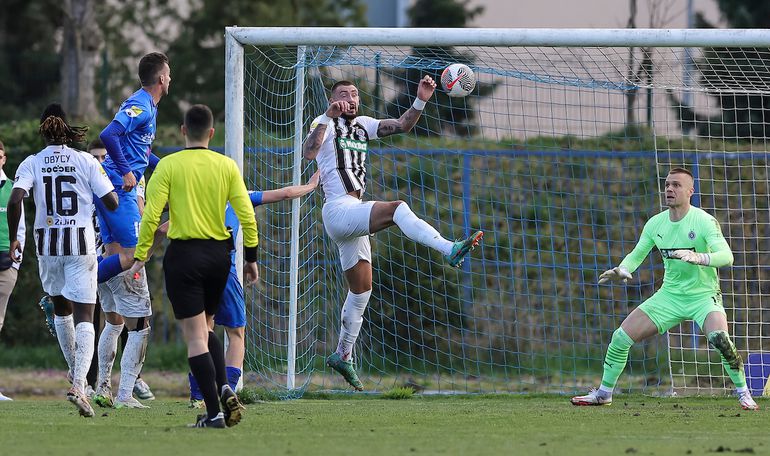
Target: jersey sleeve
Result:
[[110, 136], [370, 124], [133, 115], [315, 124], [152, 161], [239, 199], [256, 198], [25, 178], [719, 251], [97, 178], [641, 250], [157, 196]]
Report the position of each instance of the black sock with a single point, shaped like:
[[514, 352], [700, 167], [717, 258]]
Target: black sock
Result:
[[202, 368], [93, 371], [217, 351], [123, 338]]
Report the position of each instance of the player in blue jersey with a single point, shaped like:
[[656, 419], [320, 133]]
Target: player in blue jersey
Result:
[[128, 139], [232, 308]]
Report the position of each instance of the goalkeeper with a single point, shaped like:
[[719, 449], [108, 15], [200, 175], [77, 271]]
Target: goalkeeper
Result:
[[693, 247]]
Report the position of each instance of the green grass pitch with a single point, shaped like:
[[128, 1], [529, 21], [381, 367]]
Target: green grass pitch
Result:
[[372, 425]]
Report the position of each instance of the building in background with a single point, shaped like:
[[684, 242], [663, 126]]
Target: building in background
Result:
[[547, 108], [582, 14], [387, 13]]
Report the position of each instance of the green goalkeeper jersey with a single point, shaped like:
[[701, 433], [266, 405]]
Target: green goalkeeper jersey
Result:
[[697, 231]]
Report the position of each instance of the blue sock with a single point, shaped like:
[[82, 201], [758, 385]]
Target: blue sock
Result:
[[233, 376], [195, 392], [109, 268]]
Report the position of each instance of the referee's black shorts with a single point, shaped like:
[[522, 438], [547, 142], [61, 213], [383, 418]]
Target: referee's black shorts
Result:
[[196, 272]]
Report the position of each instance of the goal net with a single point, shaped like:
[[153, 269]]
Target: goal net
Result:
[[558, 155]]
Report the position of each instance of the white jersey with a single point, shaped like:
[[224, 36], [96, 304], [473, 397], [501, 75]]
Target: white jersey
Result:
[[342, 155], [98, 243], [64, 182], [140, 188]]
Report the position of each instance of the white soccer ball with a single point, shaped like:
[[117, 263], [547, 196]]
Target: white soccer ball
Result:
[[458, 80]]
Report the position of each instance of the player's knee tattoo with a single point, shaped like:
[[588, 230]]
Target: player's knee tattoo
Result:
[[721, 341]]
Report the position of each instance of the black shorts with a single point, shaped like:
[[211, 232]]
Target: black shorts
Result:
[[196, 272]]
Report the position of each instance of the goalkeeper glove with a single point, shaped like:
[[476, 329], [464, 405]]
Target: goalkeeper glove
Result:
[[701, 259], [616, 273]]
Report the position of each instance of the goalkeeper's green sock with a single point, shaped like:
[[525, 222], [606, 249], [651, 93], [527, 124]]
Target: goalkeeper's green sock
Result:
[[731, 359], [615, 360]]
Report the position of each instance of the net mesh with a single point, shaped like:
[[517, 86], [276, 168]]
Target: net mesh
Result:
[[559, 156]]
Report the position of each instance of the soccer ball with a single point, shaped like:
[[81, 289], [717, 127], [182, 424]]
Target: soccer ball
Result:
[[458, 80]]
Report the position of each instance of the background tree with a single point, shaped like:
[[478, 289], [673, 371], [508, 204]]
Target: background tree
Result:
[[132, 29], [445, 114], [198, 56], [82, 40], [29, 58], [742, 115], [640, 72]]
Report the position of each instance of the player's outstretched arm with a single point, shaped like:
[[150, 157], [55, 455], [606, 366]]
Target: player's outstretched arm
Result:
[[294, 191], [408, 120]]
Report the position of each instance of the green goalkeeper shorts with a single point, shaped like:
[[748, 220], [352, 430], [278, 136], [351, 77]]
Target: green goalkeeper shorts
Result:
[[667, 310]]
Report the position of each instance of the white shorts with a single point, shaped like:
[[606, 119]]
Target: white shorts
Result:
[[346, 220], [105, 298], [131, 302], [71, 276]]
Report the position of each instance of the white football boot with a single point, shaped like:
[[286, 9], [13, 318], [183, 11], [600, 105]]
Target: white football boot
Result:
[[747, 402], [594, 397]]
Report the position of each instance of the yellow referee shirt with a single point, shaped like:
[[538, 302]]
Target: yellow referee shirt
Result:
[[197, 184]]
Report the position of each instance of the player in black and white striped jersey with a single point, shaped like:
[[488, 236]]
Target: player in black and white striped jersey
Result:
[[339, 142], [63, 182]]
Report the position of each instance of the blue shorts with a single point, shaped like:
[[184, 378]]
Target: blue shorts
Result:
[[122, 224], [232, 307]]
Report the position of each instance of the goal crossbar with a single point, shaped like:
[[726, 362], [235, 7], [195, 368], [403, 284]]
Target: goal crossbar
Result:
[[294, 36]]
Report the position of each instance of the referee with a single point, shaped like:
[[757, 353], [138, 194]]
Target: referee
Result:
[[197, 183]]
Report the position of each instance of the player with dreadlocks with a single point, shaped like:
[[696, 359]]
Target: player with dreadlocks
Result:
[[64, 181]]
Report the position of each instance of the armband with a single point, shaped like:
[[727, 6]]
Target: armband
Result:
[[418, 104]]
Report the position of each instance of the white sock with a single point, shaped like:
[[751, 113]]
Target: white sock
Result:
[[84, 353], [132, 361], [742, 389], [419, 230], [108, 346], [352, 319], [65, 333], [605, 392]]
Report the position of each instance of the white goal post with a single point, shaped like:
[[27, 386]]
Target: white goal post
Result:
[[547, 96]]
